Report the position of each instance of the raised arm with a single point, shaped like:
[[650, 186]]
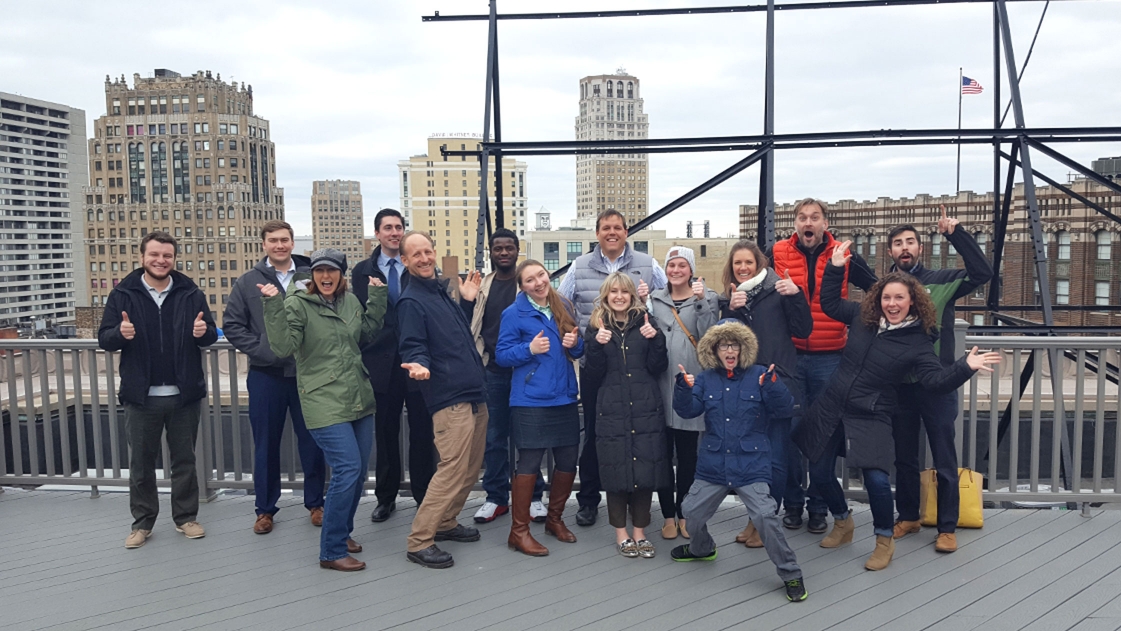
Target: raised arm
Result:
[[284, 323], [687, 400], [978, 269], [373, 319], [832, 304]]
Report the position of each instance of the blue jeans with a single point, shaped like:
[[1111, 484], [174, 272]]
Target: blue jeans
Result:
[[346, 446], [496, 458], [878, 484], [823, 478], [812, 375], [270, 399]]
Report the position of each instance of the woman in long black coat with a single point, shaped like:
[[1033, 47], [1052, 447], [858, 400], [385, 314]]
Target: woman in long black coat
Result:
[[626, 352], [889, 339]]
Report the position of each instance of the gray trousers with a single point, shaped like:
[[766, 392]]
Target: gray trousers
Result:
[[145, 426], [704, 499]]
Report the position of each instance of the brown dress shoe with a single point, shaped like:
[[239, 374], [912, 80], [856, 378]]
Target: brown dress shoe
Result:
[[316, 516], [353, 547], [345, 564], [904, 528], [263, 525], [946, 542]]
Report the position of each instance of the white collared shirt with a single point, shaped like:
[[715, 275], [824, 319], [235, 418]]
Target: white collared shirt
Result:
[[284, 277]]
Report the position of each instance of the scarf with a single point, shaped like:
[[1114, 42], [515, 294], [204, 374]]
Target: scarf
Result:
[[755, 286], [908, 321]]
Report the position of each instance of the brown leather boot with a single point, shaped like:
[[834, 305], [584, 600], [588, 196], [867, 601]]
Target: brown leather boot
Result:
[[560, 487], [841, 533], [521, 495], [753, 539], [881, 556]]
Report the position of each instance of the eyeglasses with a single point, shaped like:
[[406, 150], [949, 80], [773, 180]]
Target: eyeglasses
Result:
[[729, 347]]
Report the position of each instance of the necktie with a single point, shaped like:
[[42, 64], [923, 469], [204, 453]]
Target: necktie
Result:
[[393, 282]]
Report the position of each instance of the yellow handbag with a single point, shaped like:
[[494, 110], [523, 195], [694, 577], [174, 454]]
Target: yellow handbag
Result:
[[970, 485]]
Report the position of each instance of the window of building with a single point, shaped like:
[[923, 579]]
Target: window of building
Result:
[[1062, 292], [1101, 292], [982, 241], [1105, 245], [1063, 239]]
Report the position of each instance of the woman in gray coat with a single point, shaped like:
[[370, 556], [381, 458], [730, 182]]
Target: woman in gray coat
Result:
[[684, 309]]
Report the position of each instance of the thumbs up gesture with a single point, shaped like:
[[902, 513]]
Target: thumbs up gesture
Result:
[[737, 299], [769, 374], [699, 288], [785, 286], [268, 289], [199, 328], [570, 338], [689, 379], [603, 336], [540, 344], [643, 290], [128, 331], [646, 330]]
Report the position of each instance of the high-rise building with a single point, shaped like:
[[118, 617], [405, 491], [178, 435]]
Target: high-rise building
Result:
[[441, 195], [186, 155], [336, 217], [42, 170], [611, 109]]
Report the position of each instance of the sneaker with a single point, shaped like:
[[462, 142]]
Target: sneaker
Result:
[[682, 553], [489, 511], [537, 511], [461, 533], [137, 538], [192, 529], [816, 523], [796, 590]]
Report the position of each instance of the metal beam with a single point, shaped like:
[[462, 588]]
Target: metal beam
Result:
[[754, 8], [499, 220], [1082, 198], [765, 223], [1090, 173], [1000, 230], [483, 225]]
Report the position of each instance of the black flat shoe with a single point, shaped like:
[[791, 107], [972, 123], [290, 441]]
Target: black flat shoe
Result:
[[382, 512], [461, 534], [431, 557], [792, 520], [586, 516], [816, 523]]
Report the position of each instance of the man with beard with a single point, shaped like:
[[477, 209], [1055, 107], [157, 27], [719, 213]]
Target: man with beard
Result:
[[803, 256], [158, 319], [937, 411], [392, 388], [498, 290]]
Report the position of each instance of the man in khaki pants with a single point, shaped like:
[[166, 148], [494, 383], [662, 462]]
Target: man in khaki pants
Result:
[[437, 348]]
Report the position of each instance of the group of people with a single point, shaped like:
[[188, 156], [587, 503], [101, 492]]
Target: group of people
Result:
[[735, 387]]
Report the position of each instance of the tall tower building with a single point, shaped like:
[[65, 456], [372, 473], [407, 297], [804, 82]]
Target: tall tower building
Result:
[[336, 217], [42, 170], [441, 196], [186, 155], [611, 109]]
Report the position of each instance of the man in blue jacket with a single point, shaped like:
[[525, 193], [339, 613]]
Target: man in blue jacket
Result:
[[158, 319], [738, 399], [437, 349]]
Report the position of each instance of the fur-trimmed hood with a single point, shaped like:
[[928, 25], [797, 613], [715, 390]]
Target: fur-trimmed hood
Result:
[[731, 332]]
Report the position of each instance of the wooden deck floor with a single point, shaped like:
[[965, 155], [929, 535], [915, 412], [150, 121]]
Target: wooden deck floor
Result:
[[63, 566]]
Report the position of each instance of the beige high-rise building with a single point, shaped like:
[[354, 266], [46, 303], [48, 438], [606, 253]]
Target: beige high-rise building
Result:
[[611, 109], [336, 217], [42, 172], [186, 155], [441, 196]]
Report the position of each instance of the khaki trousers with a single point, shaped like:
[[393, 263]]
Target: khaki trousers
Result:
[[460, 433]]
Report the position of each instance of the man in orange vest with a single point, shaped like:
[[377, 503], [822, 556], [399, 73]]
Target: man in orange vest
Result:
[[803, 256]]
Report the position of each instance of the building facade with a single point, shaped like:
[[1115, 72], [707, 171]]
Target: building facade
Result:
[[42, 172], [611, 108], [187, 155], [336, 217], [440, 196], [1082, 247]]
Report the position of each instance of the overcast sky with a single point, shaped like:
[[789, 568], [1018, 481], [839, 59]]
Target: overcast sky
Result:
[[350, 88]]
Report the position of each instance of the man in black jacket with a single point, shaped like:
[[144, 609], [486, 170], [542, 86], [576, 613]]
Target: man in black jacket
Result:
[[937, 411], [392, 388], [158, 319], [438, 350], [271, 382]]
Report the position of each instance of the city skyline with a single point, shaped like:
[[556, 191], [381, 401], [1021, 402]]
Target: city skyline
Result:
[[347, 106]]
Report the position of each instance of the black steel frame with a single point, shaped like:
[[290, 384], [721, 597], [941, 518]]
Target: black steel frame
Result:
[[1021, 139]]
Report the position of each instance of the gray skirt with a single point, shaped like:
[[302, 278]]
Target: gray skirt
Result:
[[543, 428]]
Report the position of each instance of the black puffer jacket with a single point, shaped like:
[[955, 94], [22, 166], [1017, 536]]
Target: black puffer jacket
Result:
[[630, 417], [861, 394]]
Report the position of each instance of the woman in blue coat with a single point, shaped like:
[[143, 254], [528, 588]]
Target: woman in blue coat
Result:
[[539, 339]]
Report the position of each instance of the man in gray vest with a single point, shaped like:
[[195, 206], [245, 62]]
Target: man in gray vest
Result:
[[581, 285]]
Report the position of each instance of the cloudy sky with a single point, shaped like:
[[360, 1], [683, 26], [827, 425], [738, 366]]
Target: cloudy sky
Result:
[[350, 88]]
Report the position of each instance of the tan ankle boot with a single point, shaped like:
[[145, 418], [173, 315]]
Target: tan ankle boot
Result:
[[841, 533], [560, 488], [745, 534], [753, 540], [881, 556], [521, 494]]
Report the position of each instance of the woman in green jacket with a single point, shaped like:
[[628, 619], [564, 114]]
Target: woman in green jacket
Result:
[[324, 326]]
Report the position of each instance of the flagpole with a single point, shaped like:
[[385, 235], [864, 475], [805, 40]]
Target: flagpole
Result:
[[957, 183]]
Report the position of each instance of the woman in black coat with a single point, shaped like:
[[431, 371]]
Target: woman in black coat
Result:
[[625, 353], [775, 309], [889, 339]]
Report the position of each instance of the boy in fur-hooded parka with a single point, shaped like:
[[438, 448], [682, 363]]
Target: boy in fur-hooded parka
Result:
[[738, 399]]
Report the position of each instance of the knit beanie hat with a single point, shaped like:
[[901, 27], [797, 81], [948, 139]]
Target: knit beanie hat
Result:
[[681, 252]]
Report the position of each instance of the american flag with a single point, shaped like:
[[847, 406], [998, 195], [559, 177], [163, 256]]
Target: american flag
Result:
[[970, 86]]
